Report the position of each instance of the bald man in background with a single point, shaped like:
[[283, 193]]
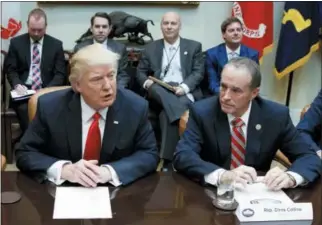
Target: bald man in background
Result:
[[178, 62]]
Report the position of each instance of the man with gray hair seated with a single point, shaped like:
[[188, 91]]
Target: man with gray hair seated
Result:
[[238, 133], [91, 133]]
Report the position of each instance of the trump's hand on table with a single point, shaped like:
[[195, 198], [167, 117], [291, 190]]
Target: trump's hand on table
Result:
[[86, 173]]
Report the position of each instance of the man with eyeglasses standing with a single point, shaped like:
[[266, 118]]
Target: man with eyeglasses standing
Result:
[[35, 60]]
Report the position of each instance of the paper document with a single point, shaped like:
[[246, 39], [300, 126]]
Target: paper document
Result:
[[16, 96], [258, 193], [82, 203]]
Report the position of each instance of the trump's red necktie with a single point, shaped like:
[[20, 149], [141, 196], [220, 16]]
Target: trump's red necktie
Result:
[[93, 141], [238, 143]]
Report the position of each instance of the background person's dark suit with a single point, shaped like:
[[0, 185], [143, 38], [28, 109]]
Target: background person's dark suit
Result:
[[17, 66], [128, 146], [205, 144], [310, 125], [192, 66], [216, 59], [123, 79]]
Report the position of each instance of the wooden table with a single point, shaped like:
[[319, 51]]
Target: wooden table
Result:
[[161, 198]]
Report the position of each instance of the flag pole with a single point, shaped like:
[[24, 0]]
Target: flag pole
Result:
[[289, 89]]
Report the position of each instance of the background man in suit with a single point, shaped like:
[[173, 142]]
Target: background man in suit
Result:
[[101, 26], [218, 56], [93, 133], [35, 60], [310, 125], [214, 144], [179, 62]]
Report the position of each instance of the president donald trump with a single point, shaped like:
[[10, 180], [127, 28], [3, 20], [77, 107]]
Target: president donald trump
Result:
[[91, 133]]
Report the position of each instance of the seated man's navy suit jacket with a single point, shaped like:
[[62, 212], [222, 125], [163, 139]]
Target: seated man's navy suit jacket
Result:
[[216, 59], [129, 144], [310, 125], [205, 144]]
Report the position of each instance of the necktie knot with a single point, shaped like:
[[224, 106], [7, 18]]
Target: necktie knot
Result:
[[172, 49], [237, 122], [96, 116]]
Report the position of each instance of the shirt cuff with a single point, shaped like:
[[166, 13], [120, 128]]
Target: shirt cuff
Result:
[[299, 180], [115, 179], [144, 84], [213, 178], [185, 88], [54, 172]]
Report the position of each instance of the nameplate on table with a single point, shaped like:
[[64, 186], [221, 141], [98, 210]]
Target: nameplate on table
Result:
[[274, 212]]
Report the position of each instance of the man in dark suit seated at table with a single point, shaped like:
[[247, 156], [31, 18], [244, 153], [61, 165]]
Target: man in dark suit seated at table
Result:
[[218, 56], [93, 133], [311, 123], [238, 133], [179, 62], [101, 27], [35, 60]]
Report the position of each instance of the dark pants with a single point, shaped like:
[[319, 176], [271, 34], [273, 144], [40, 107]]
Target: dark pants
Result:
[[21, 109], [170, 108]]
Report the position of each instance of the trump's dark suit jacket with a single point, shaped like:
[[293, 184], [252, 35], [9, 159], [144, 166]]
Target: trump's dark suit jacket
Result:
[[205, 144], [216, 59], [192, 64], [123, 79], [310, 125], [129, 144], [52, 66]]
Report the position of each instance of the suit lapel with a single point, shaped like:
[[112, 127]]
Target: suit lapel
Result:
[[223, 136], [111, 131], [158, 57], [223, 58], [27, 50], [254, 131], [44, 54], [243, 51], [183, 56], [74, 128], [111, 45]]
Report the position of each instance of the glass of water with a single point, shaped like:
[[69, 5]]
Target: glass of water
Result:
[[225, 189]]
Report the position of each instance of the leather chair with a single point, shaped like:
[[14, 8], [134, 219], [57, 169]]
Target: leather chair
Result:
[[3, 163], [9, 118], [279, 157], [32, 103]]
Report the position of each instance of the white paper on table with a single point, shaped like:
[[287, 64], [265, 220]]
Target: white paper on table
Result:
[[258, 193], [82, 203]]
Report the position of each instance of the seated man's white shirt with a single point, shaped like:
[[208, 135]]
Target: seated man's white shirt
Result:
[[54, 171], [171, 54], [104, 43], [214, 177], [232, 54]]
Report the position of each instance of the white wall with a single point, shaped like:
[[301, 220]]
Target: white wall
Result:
[[68, 22]]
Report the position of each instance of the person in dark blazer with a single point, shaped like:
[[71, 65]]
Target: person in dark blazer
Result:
[[310, 125], [35, 60], [238, 133], [92, 133], [101, 26], [178, 62], [218, 56]]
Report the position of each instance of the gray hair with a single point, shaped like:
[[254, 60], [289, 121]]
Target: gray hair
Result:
[[251, 66], [91, 55]]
